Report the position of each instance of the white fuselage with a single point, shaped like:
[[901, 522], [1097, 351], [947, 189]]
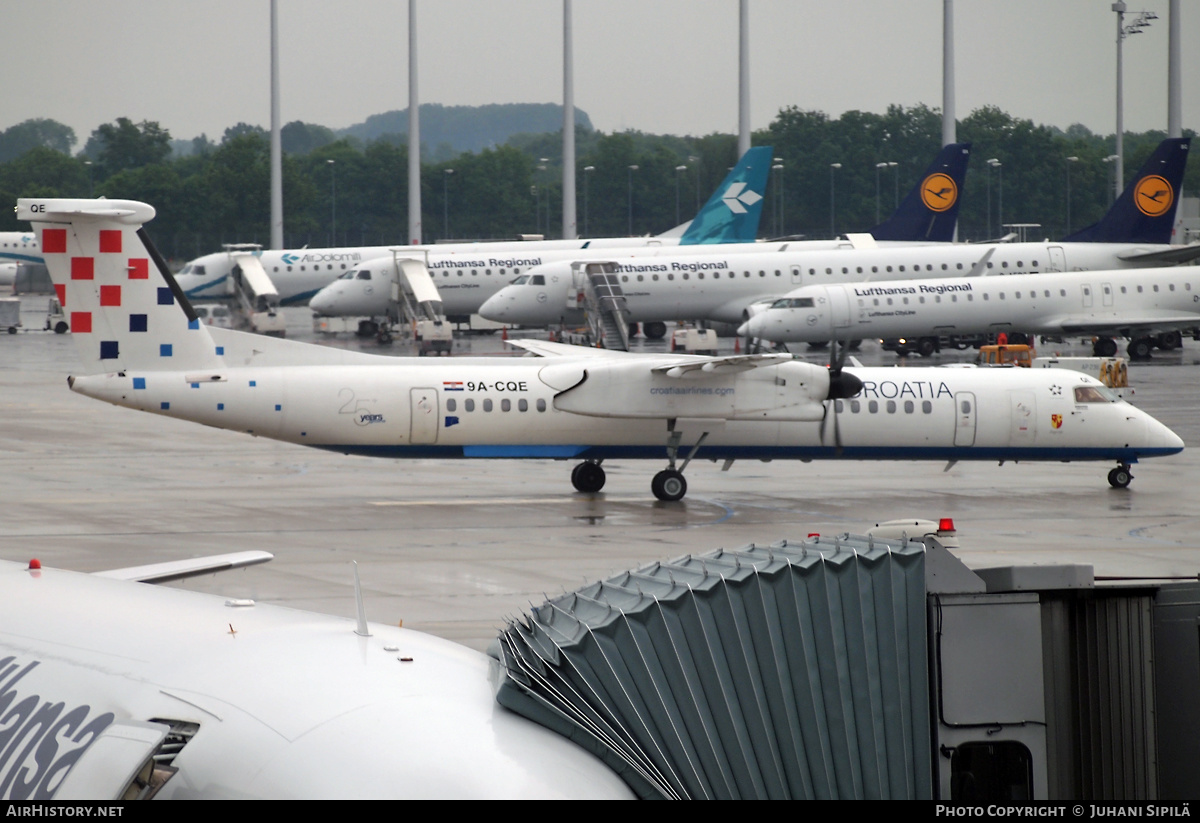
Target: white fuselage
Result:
[[1099, 302], [20, 247], [685, 287], [298, 274], [285, 703], [483, 408]]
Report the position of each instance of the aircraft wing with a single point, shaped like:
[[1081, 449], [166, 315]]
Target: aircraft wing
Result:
[[1175, 254], [192, 567], [722, 365], [544, 348]]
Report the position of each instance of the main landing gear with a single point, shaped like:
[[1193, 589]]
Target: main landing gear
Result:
[[668, 485], [588, 477], [1120, 477]]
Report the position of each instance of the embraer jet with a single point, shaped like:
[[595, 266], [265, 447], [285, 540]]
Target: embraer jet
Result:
[[143, 347], [732, 287], [1149, 306]]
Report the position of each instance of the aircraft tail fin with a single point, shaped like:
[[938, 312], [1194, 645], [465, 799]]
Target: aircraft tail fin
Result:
[[122, 304], [930, 210], [732, 214], [1145, 211]]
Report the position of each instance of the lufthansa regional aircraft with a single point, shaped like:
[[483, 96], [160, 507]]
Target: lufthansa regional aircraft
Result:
[[143, 347], [112, 689], [927, 215], [730, 288], [1148, 306], [730, 216]]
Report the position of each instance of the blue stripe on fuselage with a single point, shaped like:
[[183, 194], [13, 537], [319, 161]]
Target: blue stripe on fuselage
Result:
[[659, 452]]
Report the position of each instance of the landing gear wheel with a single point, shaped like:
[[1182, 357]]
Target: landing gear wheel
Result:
[[1168, 340], [588, 477], [1140, 348], [926, 347], [60, 327], [855, 345], [1104, 347], [654, 331], [385, 337], [367, 328], [1119, 478], [669, 485]]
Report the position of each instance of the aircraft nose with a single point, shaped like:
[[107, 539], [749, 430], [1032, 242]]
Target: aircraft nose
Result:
[[494, 307], [323, 301]]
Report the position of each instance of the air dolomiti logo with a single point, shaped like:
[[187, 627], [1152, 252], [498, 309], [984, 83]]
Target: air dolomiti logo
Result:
[[737, 198]]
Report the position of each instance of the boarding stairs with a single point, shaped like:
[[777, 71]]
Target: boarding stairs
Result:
[[603, 302]]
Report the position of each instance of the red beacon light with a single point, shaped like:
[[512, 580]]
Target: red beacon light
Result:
[[946, 525], [35, 564]]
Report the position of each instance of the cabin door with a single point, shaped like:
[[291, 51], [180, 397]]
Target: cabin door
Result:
[[424, 410], [964, 426]]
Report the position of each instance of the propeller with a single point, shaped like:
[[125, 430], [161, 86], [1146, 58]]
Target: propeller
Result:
[[841, 386]]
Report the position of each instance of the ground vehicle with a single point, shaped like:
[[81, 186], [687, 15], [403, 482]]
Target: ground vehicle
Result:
[[56, 318], [10, 314], [1007, 355]]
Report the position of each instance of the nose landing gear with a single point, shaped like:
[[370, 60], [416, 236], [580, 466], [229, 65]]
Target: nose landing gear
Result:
[[1120, 477]]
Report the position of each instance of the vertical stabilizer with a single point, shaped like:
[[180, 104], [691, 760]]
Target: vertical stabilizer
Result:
[[732, 214], [121, 302], [929, 212], [1145, 211]]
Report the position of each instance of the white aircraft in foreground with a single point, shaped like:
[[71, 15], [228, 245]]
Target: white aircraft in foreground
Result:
[[730, 288], [112, 689], [1149, 306], [469, 273], [144, 348]]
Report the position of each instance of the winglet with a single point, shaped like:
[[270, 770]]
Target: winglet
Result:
[[930, 210], [732, 214], [1145, 211]]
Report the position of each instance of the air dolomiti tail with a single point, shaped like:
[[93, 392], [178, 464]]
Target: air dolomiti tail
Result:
[[142, 347]]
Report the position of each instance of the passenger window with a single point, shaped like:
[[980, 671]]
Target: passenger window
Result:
[[873, 406], [965, 406], [891, 407], [505, 405], [523, 405], [926, 407], [469, 404], [487, 405], [855, 407], [541, 405], [451, 405], [908, 407]]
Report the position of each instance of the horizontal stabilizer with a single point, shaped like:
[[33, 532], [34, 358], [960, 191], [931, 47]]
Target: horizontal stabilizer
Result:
[[193, 567]]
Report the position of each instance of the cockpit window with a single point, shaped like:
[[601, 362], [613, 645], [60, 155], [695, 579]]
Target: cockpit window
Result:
[[793, 303], [364, 275], [347, 276], [185, 270], [1094, 394], [537, 280], [521, 281]]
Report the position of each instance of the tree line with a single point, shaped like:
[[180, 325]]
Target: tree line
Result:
[[349, 192]]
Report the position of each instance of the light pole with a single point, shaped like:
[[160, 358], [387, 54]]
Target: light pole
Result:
[[587, 171], [332, 202], [677, 170], [632, 169], [1070, 160], [778, 201], [537, 209], [1142, 21], [1112, 158], [692, 158], [878, 168], [999, 167], [446, 203], [832, 168], [88, 163], [543, 161]]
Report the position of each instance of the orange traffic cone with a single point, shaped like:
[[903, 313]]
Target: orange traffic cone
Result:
[[504, 333], [737, 345]]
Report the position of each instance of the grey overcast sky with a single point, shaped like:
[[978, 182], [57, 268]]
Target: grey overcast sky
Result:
[[660, 66]]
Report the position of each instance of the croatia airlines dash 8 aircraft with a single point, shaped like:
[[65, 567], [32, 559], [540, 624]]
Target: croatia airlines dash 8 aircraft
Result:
[[730, 288], [927, 215], [730, 216], [143, 347], [1149, 306]]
